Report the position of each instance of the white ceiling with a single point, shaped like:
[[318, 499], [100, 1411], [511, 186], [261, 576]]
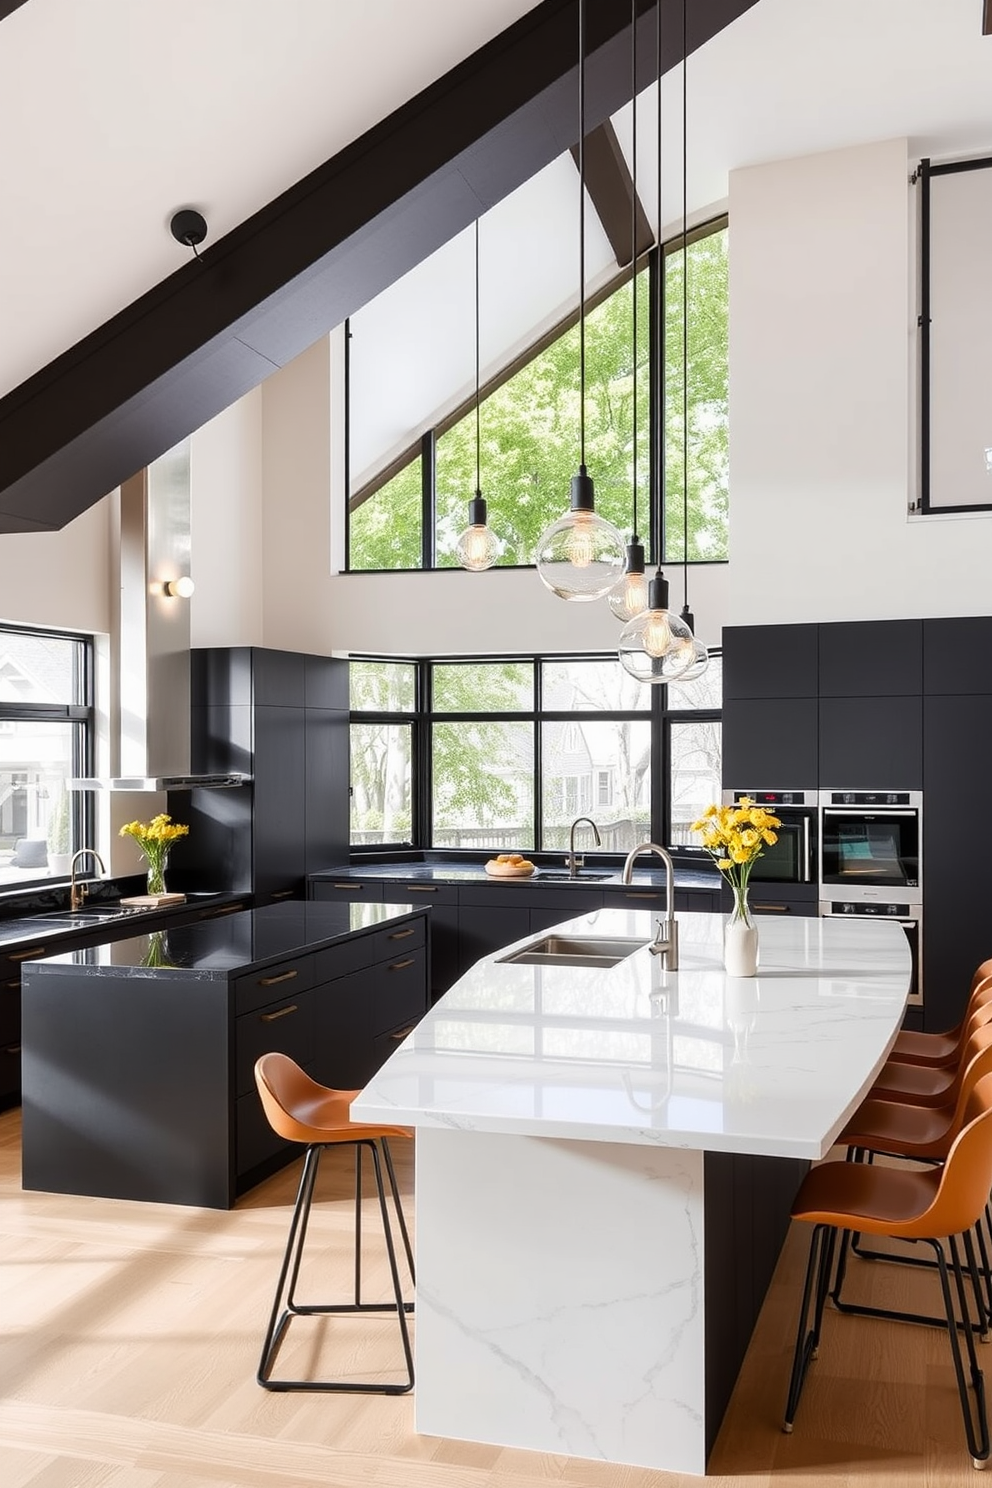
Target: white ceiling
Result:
[[115, 113]]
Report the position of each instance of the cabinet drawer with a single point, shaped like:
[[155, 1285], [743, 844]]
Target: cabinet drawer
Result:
[[286, 1027], [400, 993], [273, 982], [634, 898], [399, 940], [342, 959], [385, 1044], [345, 888]]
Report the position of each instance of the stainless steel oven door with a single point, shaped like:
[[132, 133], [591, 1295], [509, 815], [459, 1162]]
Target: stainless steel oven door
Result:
[[909, 916], [870, 853], [792, 859]]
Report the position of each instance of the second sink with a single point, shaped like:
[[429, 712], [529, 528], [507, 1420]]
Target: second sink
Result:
[[575, 950]]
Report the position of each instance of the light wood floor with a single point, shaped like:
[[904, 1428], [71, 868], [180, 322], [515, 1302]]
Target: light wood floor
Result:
[[129, 1336]]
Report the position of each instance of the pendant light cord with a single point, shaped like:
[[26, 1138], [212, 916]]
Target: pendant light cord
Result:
[[582, 234], [660, 415], [478, 426], [685, 310], [633, 246]]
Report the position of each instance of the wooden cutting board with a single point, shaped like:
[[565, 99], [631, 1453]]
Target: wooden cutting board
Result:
[[152, 901]]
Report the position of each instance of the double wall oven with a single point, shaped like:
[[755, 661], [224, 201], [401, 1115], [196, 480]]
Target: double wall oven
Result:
[[871, 862], [793, 858]]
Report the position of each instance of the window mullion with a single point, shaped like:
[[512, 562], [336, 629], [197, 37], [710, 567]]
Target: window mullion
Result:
[[428, 491]]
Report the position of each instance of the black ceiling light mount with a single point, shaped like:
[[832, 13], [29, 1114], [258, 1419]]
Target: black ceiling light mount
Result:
[[189, 227]]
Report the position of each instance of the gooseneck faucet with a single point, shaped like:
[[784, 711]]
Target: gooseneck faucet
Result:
[[77, 891], [572, 860], [666, 941]]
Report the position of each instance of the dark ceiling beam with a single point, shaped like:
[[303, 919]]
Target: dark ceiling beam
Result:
[[611, 192], [6, 6], [987, 18], [271, 287]]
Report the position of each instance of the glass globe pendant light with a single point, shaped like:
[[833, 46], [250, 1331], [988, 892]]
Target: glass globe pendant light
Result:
[[657, 646], [630, 596], [581, 556], [478, 547]]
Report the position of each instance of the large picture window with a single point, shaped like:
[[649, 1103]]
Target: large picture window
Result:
[[410, 516], [493, 754], [46, 722]]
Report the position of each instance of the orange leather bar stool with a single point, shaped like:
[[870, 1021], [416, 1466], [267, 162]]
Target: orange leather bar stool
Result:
[[837, 1197], [302, 1111], [925, 1085], [943, 1048]]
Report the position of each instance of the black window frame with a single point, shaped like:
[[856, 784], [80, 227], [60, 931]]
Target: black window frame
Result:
[[658, 714]]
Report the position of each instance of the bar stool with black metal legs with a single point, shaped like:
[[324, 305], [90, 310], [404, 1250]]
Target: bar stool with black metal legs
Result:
[[837, 1197], [913, 1047], [301, 1110]]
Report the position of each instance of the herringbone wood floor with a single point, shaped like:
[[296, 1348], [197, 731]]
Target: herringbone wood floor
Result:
[[130, 1334]]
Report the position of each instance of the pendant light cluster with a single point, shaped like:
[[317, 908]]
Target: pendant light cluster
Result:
[[478, 547], [582, 556]]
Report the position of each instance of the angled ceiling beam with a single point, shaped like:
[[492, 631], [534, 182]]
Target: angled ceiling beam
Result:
[[270, 288], [987, 18], [6, 6], [611, 191]]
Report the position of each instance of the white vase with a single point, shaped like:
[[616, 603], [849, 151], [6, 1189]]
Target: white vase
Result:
[[740, 946]]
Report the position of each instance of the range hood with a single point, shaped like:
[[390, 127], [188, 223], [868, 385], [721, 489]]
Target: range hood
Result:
[[150, 727]]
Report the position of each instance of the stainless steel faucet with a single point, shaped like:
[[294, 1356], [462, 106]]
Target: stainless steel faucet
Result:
[[77, 891], [666, 941], [572, 860]]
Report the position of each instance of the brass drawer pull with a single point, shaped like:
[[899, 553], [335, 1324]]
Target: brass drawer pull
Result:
[[639, 896], [352, 888], [402, 1033], [215, 914], [284, 976], [12, 1049], [12, 985], [279, 1013], [399, 965], [401, 934], [774, 908], [24, 955], [282, 894], [420, 888]]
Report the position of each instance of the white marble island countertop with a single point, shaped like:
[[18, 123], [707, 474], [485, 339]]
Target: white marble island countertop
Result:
[[771, 1065]]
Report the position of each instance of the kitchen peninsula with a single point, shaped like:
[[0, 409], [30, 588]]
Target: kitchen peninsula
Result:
[[605, 1163], [138, 1056]]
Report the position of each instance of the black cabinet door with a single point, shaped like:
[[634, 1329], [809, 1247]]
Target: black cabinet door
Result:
[[770, 661], [326, 747], [871, 658], [279, 801], [326, 683], [278, 678], [343, 1031], [957, 867], [957, 655], [871, 743], [483, 930], [770, 743]]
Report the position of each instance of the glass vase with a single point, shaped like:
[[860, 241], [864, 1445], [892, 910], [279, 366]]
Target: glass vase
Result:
[[156, 875], [740, 938]]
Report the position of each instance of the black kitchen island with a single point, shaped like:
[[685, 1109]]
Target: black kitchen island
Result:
[[138, 1056]]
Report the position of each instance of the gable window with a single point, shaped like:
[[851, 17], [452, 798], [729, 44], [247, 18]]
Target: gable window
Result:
[[409, 515]]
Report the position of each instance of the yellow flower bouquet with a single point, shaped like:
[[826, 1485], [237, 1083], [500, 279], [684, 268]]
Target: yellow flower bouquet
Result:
[[155, 838], [734, 837]]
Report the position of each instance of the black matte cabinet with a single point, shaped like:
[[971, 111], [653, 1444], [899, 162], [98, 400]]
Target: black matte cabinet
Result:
[[957, 866], [871, 743], [871, 658], [282, 718], [770, 744], [770, 661]]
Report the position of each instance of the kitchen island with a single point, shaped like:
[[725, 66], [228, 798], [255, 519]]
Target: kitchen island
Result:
[[138, 1056], [605, 1163]]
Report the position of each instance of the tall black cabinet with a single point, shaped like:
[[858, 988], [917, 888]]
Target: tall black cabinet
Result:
[[282, 718]]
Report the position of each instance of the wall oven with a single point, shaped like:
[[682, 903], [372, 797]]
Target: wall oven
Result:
[[871, 845], [909, 916], [792, 859]]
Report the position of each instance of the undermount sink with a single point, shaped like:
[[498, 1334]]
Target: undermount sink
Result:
[[575, 950], [91, 914], [579, 877]]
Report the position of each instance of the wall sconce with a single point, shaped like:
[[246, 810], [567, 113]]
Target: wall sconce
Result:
[[180, 588]]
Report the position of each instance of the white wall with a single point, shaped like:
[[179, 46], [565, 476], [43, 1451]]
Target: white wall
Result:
[[61, 578], [226, 526], [822, 389]]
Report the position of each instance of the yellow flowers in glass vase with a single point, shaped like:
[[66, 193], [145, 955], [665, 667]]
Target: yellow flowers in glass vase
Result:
[[734, 836], [155, 838]]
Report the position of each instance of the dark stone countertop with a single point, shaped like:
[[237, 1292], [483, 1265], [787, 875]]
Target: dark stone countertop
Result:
[[548, 870], [40, 926], [214, 950]]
